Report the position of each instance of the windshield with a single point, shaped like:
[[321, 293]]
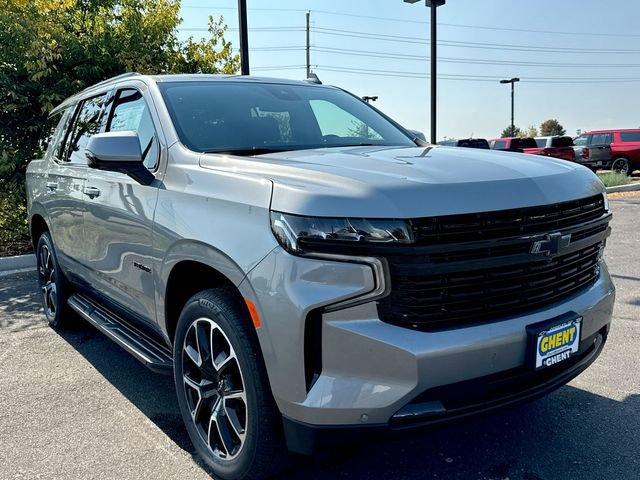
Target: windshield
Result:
[[562, 142], [523, 143], [256, 118]]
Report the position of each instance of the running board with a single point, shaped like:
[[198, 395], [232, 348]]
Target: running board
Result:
[[154, 354]]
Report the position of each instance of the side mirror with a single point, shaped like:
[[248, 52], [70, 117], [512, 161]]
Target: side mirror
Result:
[[419, 138], [118, 152]]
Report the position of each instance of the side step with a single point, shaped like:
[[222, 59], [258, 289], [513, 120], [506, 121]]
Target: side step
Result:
[[152, 353]]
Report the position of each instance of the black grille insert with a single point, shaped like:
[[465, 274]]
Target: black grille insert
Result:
[[506, 223], [478, 267], [424, 301]]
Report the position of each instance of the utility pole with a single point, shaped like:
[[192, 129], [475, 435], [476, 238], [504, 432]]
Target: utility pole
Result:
[[244, 37], [512, 81], [308, 44], [433, 5]]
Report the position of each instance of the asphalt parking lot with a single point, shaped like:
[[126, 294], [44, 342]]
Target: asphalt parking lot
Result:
[[74, 405]]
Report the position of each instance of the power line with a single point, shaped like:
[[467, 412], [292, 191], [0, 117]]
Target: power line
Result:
[[423, 22], [478, 61], [454, 43], [487, 78]]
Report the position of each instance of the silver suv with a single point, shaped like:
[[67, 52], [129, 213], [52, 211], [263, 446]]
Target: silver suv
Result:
[[307, 269]]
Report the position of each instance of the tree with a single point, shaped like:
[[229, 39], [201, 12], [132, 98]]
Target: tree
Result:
[[51, 49], [551, 128], [511, 132], [532, 131]]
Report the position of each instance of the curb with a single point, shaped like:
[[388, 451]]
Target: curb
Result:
[[632, 187], [19, 263]]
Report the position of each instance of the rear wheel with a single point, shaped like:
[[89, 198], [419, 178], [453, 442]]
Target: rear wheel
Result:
[[54, 287], [222, 389], [622, 165]]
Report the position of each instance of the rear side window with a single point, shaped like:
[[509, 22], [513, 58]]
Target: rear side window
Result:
[[630, 136], [601, 139], [130, 112], [523, 143], [541, 142], [560, 142], [59, 123], [87, 123], [499, 144]]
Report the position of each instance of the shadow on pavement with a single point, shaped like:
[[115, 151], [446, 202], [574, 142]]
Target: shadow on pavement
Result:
[[19, 300], [569, 434]]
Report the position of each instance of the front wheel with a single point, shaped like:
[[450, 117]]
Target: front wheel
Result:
[[622, 165], [53, 284], [222, 389]]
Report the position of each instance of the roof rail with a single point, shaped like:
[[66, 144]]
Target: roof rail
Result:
[[117, 77]]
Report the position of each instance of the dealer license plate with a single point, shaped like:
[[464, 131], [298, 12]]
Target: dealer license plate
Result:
[[555, 342]]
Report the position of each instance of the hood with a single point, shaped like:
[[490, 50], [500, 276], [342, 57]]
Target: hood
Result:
[[406, 182]]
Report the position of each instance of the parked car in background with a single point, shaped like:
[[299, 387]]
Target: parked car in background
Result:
[[466, 143], [624, 146], [595, 156], [557, 147], [513, 144]]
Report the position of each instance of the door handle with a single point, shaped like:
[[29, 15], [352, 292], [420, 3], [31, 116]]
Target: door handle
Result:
[[91, 191], [52, 186]]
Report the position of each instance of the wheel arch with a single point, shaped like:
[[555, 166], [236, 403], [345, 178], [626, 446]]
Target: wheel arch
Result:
[[190, 267], [37, 223]]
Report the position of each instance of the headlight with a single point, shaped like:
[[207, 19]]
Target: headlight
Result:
[[299, 234]]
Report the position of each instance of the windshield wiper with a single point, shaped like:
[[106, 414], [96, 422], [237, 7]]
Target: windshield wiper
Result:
[[248, 152]]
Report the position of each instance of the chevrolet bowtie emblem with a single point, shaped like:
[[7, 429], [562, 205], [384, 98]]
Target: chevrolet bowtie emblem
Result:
[[552, 244]]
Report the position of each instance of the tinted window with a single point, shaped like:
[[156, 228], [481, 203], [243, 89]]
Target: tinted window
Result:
[[227, 116], [600, 139], [581, 141], [474, 143], [87, 123], [523, 143], [499, 144], [630, 136], [541, 142], [60, 122], [560, 142], [334, 121], [130, 112]]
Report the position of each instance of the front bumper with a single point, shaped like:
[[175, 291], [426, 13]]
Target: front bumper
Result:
[[371, 372]]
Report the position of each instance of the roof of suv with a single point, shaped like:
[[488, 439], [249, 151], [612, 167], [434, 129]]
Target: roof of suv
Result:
[[199, 77], [611, 130]]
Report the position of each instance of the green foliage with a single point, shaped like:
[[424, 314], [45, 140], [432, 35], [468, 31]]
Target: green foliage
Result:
[[531, 132], [51, 49], [552, 128], [613, 179], [511, 132]]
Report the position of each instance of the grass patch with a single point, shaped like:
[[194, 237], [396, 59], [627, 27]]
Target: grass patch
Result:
[[613, 179]]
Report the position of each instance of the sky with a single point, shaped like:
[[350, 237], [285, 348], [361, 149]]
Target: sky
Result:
[[579, 60]]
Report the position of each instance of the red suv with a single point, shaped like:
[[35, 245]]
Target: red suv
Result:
[[625, 147], [558, 147]]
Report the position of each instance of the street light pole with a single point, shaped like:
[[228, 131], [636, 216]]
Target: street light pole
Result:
[[512, 81], [244, 37], [433, 5]]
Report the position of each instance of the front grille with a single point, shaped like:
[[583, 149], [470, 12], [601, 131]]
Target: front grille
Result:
[[451, 282], [506, 223]]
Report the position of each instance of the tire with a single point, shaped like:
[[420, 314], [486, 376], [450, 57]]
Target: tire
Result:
[[54, 286], [622, 165], [222, 388]]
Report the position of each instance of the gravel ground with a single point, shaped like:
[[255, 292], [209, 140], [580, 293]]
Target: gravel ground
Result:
[[74, 405]]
